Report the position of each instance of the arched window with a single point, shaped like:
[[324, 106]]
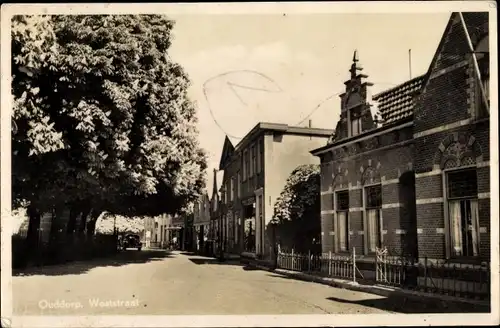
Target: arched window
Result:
[[458, 157]]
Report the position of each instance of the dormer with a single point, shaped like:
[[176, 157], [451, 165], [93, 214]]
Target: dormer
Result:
[[355, 113]]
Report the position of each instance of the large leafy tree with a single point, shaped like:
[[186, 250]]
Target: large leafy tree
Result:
[[103, 117], [122, 224], [297, 209]]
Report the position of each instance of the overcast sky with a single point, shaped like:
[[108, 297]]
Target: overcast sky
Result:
[[279, 68]]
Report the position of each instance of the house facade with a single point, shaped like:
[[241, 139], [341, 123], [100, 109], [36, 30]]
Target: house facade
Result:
[[215, 221], [157, 228], [201, 222], [413, 175], [255, 172], [150, 231]]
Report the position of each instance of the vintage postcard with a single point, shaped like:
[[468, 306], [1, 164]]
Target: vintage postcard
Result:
[[249, 164]]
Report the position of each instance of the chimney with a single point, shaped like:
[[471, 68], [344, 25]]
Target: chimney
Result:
[[214, 192]]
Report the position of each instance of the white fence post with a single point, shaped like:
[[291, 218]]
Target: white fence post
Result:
[[329, 263], [354, 264], [293, 260]]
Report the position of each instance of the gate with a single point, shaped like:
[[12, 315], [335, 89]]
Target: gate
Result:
[[381, 264]]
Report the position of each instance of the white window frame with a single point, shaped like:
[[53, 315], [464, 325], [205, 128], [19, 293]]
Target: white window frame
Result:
[[337, 221], [366, 222]]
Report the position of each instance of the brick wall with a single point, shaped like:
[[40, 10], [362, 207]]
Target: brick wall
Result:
[[387, 165], [444, 115]]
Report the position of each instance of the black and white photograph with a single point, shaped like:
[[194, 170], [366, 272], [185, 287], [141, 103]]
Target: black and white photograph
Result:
[[249, 164]]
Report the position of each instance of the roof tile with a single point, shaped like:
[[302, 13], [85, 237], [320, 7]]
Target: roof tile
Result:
[[397, 103]]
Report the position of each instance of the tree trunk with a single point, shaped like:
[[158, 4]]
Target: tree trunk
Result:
[[91, 227], [74, 213], [83, 220], [32, 237], [55, 225], [92, 223]]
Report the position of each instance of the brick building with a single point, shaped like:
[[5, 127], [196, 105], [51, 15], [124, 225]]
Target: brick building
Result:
[[413, 175], [215, 204], [201, 222], [255, 172]]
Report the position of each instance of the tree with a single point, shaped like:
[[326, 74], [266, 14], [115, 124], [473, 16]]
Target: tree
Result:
[[104, 120], [297, 209], [108, 223]]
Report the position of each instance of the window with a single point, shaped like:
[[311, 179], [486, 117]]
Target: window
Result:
[[373, 208], [254, 159], [355, 126], [233, 190], [258, 161], [247, 165], [463, 212], [261, 152], [343, 220], [239, 183]]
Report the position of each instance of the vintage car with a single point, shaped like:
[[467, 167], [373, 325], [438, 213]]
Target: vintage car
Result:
[[131, 241]]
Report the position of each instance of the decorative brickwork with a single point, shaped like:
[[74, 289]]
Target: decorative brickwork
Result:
[[430, 126]]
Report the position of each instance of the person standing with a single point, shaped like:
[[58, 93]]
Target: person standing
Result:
[[148, 239]]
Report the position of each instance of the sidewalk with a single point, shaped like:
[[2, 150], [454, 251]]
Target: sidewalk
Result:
[[438, 303]]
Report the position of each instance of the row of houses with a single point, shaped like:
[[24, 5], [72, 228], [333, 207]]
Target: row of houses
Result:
[[412, 176], [250, 177], [163, 231]]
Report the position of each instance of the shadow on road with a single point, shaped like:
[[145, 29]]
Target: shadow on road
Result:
[[187, 253], [412, 306], [82, 267], [212, 261], [408, 305]]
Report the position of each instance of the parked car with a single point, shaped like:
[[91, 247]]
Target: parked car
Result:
[[132, 241]]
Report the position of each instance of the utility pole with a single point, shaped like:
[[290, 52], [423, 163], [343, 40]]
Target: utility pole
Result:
[[409, 62]]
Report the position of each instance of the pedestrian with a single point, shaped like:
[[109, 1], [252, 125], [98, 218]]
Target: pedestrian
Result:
[[148, 239], [174, 242]]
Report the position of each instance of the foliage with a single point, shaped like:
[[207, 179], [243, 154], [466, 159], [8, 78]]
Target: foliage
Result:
[[297, 209], [19, 221], [300, 194], [103, 115], [107, 224]]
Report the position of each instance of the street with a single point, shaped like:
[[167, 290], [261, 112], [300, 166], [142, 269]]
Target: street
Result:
[[162, 283]]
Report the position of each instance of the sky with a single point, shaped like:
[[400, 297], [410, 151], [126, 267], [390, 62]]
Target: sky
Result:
[[290, 69]]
